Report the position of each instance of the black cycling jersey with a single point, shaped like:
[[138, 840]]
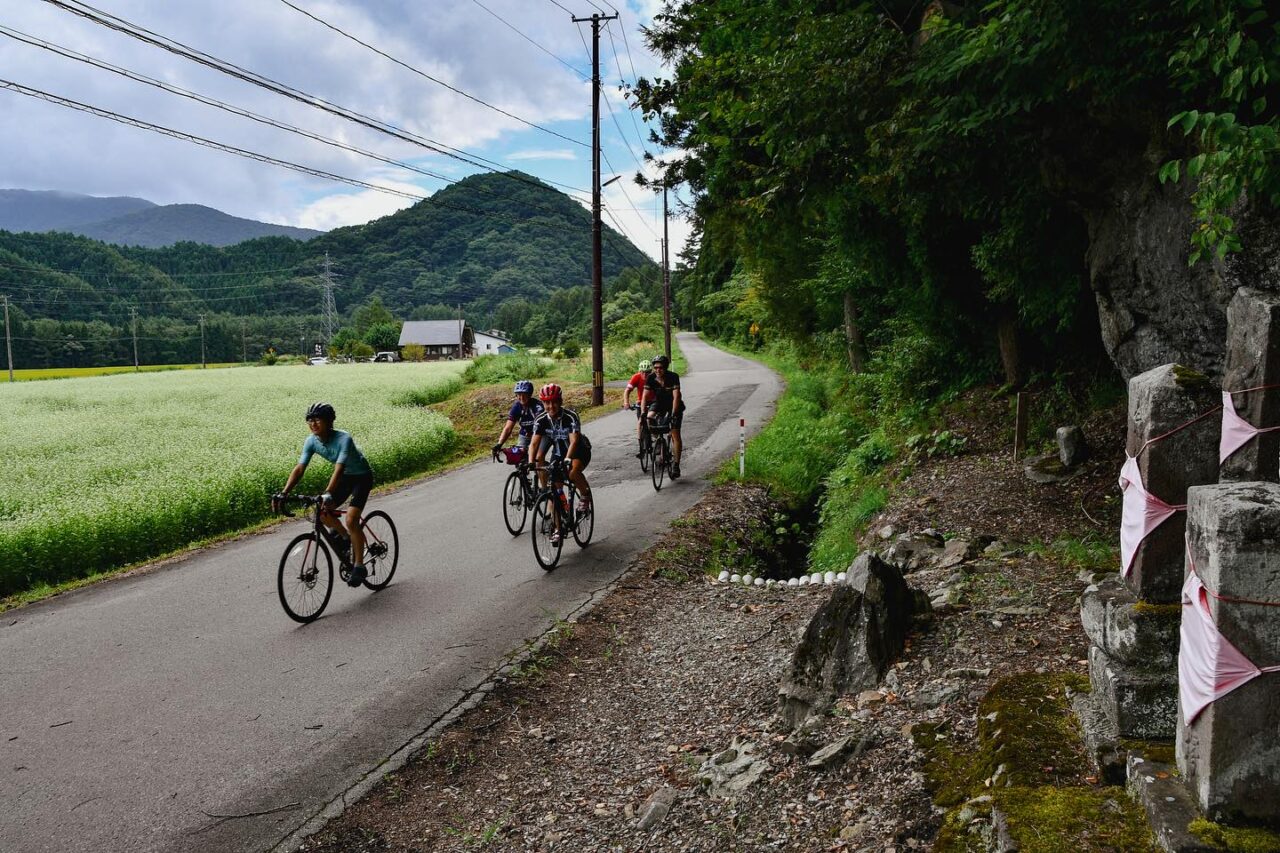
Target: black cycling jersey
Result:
[[557, 430], [661, 391]]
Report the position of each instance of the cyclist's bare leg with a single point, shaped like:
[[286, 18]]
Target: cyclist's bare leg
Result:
[[356, 534], [579, 480], [675, 445], [333, 521]]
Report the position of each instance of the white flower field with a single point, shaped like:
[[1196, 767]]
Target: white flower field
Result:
[[105, 471]]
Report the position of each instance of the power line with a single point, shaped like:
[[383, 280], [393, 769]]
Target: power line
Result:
[[177, 48], [424, 74], [622, 79], [213, 102], [514, 29], [200, 140]]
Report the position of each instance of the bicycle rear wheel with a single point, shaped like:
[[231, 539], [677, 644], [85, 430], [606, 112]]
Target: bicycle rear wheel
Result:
[[646, 450], [546, 552], [515, 509], [304, 581], [658, 465], [583, 525], [381, 548]]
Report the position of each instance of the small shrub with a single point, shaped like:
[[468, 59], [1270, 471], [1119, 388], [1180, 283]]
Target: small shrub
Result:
[[488, 369], [571, 349], [936, 444], [414, 352]]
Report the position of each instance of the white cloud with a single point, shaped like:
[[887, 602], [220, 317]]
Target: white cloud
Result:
[[543, 154]]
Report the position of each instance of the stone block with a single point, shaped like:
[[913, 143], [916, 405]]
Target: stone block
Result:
[[1230, 754], [1129, 630], [1160, 400], [1073, 450], [1169, 805], [1142, 703], [1253, 359]]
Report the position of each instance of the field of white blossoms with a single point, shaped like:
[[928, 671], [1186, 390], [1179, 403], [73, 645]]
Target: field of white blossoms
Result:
[[105, 471]]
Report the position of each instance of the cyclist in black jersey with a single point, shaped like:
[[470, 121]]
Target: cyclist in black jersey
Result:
[[557, 433], [663, 396]]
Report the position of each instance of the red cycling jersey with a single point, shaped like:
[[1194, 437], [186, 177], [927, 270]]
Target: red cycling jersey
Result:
[[637, 383]]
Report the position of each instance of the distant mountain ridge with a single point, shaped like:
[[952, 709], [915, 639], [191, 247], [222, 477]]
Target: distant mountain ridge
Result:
[[128, 221]]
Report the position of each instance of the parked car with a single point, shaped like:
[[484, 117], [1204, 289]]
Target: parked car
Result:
[[319, 359], [386, 356]]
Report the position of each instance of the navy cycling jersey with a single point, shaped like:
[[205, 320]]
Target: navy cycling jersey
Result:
[[525, 415], [557, 430], [662, 391]]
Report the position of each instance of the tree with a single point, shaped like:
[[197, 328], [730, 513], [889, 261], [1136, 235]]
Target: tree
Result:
[[371, 314], [383, 336]]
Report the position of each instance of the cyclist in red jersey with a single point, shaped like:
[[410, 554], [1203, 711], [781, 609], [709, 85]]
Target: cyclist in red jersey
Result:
[[637, 384]]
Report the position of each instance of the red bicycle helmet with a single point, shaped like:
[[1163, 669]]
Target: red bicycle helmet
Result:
[[550, 391]]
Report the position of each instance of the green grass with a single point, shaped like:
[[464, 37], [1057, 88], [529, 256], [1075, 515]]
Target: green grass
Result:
[[489, 369], [76, 372], [108, 471]]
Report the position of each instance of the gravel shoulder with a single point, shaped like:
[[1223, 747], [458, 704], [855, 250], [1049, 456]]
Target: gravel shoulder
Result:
[[618, 713]]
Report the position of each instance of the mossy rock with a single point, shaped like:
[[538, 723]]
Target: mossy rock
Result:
[[1235, 839], [1026, 727], [1074, 820], [1027, 736], [1161, 751], [1186, 377]]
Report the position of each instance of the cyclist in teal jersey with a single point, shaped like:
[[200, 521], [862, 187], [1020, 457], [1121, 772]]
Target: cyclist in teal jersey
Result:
[[352, 477]]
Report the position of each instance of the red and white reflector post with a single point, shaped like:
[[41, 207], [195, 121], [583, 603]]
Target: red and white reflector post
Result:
[[742, 448]]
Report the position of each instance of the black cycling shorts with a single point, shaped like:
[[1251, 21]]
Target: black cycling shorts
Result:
[[355, 486], [677, 419]]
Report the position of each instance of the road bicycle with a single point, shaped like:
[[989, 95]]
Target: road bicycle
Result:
[[519, 493], [305, 579], [660, 453], [646, 441], [555, 509]]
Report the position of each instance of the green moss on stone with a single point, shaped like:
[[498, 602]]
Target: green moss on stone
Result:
[[1027, 733], [1236, 839], [1161, 751], [1185, 377], [966, 829], [950, 772], [1070, 820], [1145, 609]]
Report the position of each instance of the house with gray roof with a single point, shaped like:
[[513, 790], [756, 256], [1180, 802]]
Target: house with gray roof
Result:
[[442, 339]]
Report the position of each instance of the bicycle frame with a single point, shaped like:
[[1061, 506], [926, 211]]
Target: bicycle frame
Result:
[[317, 509]]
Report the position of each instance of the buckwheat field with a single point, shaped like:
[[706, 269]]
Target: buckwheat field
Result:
[[105, 471]]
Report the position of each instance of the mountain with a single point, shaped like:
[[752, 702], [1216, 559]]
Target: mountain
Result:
[[176, 223], [37, 210], [480, 242], [128, 221]]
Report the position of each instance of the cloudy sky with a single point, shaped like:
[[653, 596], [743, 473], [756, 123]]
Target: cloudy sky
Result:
[[523, 56]]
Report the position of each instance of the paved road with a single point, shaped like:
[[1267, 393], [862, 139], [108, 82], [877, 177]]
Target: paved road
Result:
[[133, 710]]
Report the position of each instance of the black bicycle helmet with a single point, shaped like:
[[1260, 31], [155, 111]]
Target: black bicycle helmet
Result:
[[661, 359], [323, 411]]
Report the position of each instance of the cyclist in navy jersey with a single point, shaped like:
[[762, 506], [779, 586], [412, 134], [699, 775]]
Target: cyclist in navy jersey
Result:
[[663, 397], [557, 434], [524, 411], [352, 476]]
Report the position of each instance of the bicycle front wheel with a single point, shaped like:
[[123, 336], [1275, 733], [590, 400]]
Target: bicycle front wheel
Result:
[[584, 523], [381, 548], [545, 550], [646, 451], [305, 579], [515, 509], [658, 465]]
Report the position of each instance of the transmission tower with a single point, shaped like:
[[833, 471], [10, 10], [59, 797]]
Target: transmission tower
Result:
[[330, 307]]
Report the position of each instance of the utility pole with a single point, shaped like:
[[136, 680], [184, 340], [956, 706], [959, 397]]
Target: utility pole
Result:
[[202, 359], [133, 313], [330, 307], [666, 276], [461, 329], [597, 271], [8, 342]]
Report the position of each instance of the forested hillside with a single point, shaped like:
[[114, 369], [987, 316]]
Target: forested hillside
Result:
[[974, 189], [510, 251]]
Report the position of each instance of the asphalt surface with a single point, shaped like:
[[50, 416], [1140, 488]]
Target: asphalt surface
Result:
[[156, 712]]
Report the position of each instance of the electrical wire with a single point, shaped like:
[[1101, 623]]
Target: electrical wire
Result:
[[531, 41], [112, 22], [448, 86]]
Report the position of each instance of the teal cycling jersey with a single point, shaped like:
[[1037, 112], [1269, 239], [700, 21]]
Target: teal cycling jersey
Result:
[[340, 449]]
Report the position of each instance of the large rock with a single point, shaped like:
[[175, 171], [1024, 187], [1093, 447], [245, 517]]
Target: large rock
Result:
[[1162, 400], [1140, 701], [1230, 754], [1073, 449], [851, 641], [1253, 360]]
